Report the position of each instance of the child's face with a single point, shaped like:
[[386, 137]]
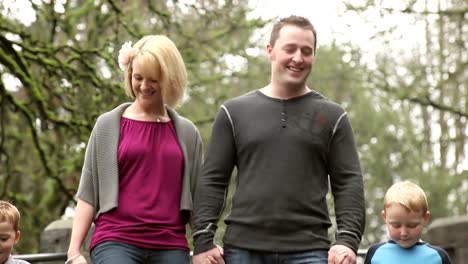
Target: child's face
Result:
[[404, 227], [8, 238]]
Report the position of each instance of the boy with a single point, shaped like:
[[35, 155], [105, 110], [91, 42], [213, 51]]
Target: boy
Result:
[[9, 233], [406, 213]]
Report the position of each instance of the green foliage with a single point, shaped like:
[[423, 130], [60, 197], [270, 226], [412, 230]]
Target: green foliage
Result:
[[66, 73], [415, 116]]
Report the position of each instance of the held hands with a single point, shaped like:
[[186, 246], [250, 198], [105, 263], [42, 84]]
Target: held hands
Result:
[[339, 254], [212, 256], [77, 259]]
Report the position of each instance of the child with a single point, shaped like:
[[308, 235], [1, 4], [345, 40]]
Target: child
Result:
[[405, 213], [9, 233]]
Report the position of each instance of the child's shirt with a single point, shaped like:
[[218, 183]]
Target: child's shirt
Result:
[[391, 253], [12, 260]]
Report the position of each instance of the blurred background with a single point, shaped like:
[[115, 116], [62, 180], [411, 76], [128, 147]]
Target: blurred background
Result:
[[398, 67]]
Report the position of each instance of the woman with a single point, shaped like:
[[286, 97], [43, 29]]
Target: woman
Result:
[[140, 166]]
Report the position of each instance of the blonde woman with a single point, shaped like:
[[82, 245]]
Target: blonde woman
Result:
[[140, 166]]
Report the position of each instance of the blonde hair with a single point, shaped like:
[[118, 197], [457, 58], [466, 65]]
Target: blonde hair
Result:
[[408, 195], [160, 58], [9, 213]]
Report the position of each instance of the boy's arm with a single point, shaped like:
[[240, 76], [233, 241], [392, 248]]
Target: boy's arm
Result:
[[442, 253], [370, 253]]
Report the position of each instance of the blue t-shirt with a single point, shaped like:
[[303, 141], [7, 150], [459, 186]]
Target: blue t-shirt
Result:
[[391, 253]]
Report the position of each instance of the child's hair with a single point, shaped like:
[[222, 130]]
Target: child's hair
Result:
[[161, 59], [9, 213], [408, 195]]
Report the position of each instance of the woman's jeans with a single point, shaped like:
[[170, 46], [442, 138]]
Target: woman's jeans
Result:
[[121, 253], [234, 255]]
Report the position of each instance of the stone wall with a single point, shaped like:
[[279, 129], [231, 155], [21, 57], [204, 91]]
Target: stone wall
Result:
[[451, 234], [56, 237]]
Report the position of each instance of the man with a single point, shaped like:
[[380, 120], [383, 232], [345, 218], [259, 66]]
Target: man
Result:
[[288, 143]]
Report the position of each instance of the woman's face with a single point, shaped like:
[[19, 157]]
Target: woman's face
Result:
[[146, 87]]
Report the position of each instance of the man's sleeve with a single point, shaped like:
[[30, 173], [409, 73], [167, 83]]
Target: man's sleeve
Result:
[[347, 186], [212, 185]]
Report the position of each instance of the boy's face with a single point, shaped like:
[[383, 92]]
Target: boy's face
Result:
[[8, 238], [404, 227]]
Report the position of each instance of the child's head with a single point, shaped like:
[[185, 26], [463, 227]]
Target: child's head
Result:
[[405, 213], [9, 232]]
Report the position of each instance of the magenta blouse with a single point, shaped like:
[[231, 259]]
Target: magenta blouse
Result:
[[150, 181]]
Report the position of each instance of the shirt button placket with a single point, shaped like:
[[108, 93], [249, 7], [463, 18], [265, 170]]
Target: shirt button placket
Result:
[[283, 113]]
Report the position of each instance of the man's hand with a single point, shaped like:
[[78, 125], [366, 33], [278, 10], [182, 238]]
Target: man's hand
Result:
[[339, 254], [212, 256]]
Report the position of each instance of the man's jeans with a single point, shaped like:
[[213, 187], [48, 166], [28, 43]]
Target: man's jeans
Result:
[[121, 253], [234, 255]]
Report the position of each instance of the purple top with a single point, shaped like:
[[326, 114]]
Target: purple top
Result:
[[150, 174]]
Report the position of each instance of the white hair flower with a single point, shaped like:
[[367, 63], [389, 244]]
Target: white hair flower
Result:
[[124, 55]]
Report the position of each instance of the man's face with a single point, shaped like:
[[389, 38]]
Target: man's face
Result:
[[404, 227], [292, 57], [8, 238]]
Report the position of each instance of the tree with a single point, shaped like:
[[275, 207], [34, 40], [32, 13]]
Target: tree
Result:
[[422, 88], [59, 72]]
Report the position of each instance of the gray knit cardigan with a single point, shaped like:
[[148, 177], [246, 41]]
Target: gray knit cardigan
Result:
[[100, 177]]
